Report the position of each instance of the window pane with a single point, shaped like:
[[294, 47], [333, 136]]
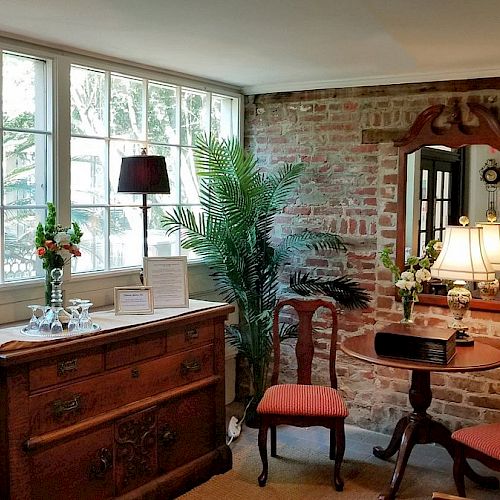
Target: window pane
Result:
[[88, 180], [446, 208], [447, 179], [222, 117], [127, 107], [159, 244], [193, 116], [20, 261], [439, 184], [92, 222], [189, 182], [24, 172], [88, 103], [423, 214], [24, 92], [126, 237], [437, 215], [162, 114], [425, 183]]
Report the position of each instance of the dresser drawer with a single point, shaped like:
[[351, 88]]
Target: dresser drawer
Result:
[[59, 407], [190, 336], [132, 351], [79, 469], [64, 368]]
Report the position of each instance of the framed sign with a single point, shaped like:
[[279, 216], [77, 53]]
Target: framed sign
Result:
[[134, 300], [168, 278]]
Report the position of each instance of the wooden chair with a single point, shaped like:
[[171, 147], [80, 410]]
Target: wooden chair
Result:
[[303, 404], [480, 442], [444, 496]]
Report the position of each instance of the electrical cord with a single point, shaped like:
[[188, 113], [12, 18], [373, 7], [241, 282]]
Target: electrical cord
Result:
[[234, 426]]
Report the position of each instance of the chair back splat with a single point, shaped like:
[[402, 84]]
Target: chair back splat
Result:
[[304, 348]]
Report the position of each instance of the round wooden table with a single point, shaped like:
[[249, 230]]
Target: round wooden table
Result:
[[418, 427]]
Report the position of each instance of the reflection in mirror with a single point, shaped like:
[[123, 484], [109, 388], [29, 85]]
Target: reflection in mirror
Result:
[[447, 168], [442, 184]]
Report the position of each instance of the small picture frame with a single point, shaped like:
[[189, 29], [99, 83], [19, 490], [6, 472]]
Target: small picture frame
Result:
[[134, 300], [168, 278]]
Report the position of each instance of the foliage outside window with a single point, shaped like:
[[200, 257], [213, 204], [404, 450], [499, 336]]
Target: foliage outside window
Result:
[[111, 115], [163, 118], [26, 154]]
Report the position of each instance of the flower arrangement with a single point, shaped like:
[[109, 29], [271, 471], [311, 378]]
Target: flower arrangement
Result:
[[56, 244], [409, 282]]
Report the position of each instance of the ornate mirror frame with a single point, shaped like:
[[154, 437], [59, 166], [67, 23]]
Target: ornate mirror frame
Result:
[[461, 124]]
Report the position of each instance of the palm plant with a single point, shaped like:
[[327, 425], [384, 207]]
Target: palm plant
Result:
[[233, 236]]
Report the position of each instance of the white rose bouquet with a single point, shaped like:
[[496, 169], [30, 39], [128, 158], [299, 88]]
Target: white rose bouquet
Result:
[[409, 282]]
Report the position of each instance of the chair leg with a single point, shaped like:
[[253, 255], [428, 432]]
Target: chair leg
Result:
[[333, 443], [458, 469], [263, 453], [339, 453], [273, 440]]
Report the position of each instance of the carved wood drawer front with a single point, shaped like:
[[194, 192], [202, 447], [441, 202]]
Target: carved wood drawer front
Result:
[[89, 476], [131, 351], [189, 336], [67, 405], [186, 429], [64, 368]]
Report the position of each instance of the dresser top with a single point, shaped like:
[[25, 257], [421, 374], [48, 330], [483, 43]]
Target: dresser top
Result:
[[16, 347]]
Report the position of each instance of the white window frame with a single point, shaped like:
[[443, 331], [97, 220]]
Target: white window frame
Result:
[[15, 296]]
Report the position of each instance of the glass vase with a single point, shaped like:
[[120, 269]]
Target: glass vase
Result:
[[48, 286], [408, 304]]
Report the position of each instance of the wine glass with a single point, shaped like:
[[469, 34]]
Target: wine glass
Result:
[[74, 321], [85, 319], [56, 327], [33, 324], [46, 320]]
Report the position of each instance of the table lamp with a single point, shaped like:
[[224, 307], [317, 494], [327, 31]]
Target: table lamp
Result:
[[144, 174], [491, 237], [463, 258]]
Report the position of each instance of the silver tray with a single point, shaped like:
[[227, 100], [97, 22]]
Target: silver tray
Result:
[[65, 334]]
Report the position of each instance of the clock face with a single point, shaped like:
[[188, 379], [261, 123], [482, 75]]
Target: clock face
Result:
[[491, 175]]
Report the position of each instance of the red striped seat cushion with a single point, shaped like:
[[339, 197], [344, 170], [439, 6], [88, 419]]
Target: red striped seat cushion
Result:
[[484, 438], [306, 400]]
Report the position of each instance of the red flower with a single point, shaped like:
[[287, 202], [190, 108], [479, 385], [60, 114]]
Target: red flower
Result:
[[40, 251], [50, 245]]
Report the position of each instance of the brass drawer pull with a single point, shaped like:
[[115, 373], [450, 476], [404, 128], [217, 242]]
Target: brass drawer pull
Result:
[[64, 367], [101, 464], [190, 366], [167, 437], [191, 334], [60, 407]]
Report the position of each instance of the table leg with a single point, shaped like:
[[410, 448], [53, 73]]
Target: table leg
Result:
[[419, 428]]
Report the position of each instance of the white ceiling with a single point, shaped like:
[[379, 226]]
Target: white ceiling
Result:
[[277, 45]]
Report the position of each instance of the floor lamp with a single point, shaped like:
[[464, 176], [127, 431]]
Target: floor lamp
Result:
[[144, 174]]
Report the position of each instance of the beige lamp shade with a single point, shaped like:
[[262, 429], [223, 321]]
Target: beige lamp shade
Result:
[[463, 256], [491, 238]]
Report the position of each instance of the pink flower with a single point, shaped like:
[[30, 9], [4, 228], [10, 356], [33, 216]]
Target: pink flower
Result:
[[40, 251]]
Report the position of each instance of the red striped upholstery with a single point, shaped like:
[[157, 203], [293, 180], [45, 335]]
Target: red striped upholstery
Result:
[[304, 400], [484, 438]]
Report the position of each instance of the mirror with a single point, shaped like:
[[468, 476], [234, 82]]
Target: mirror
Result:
[[449, 145]]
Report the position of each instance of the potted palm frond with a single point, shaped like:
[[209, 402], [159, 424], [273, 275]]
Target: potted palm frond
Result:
[[233, 235]]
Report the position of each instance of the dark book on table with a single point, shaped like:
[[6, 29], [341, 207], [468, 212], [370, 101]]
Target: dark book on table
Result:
[[416, 343]]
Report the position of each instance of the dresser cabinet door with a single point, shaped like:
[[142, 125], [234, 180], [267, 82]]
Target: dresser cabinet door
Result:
[[135, 450], [186, 429], [78, 469]]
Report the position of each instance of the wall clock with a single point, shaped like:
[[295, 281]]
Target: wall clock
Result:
[[490, 173]]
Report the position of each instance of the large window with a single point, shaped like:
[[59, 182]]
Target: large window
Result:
[[26, 157], [102, 114]]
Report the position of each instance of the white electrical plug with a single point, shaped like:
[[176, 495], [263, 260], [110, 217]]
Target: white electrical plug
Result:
[[233, 429]]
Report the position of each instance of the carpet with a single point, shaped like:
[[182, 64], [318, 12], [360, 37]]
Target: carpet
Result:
[[305, 474]]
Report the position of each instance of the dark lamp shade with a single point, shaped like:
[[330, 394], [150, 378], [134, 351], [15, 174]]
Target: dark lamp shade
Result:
[[143, 174]]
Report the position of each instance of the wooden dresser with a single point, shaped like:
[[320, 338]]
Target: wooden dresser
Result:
[[131, 412]]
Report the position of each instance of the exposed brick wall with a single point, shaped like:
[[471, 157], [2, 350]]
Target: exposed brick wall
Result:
[[345, 138]]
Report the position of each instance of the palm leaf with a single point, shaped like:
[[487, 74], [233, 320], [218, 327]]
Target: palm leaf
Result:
[[343, 289]]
